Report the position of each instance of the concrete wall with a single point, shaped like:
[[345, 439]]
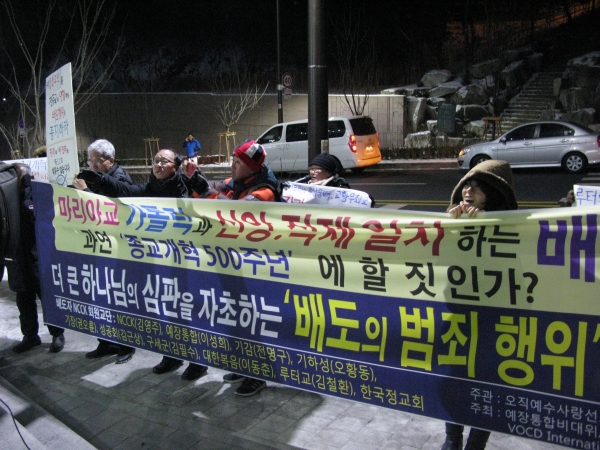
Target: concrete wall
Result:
[[127, 119]]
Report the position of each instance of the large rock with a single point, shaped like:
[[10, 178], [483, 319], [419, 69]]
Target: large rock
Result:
[[515, 74], [435, 77], [485, 68], [444, 89], [575, 98], [418, 140], [474, 128], [417, 107], [432, 126], [583, 76], [468, 113], [470, 95], [411, 90], [583, 117], [487, 83]]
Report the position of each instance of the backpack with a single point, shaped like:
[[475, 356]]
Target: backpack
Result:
[[9, 211]]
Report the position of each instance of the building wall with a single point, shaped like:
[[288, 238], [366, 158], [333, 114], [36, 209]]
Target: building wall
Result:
[[127, 119]]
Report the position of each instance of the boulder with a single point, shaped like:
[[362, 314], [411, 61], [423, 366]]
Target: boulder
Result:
[[435, 77], [486, 83], [515, 74], [412, 90], [594, 127], [584, 76], [483, 69], [418, 140], [416, 107], [575, 98], [583, 117], [556, 85], [432, 126], [444, 89], [474, 128], [469, 113], [470, 95]]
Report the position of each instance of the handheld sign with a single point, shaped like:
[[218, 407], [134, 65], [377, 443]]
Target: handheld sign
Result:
[[61, 143]]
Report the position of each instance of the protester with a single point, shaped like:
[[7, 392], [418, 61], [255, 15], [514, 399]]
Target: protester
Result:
[[191, 145], [325, 170], [101, 158], [23, 272], [488, 186], [251, 180], [569, 200], [166, 180]]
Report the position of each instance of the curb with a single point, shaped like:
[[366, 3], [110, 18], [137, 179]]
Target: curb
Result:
[[38, 428]]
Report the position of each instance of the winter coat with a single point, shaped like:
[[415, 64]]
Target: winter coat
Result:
[[23, 273], [191, 147], [118, 173], [261, 186], [174, 187], [497, 174]]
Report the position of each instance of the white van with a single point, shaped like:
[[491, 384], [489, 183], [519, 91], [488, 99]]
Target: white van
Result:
[[353, 140]]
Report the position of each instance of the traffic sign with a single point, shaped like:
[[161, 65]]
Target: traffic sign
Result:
[[287, 80]]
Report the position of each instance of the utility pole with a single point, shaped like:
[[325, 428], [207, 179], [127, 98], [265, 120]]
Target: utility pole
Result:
[[279, 85], [318, 138]]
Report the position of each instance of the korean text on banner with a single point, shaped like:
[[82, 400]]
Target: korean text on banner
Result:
[[492, 322]]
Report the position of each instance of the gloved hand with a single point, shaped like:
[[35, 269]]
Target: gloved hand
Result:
[[90, 177], [199, 183]]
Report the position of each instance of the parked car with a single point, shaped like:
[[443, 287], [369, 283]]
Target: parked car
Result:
[[353, 140], [549, 143]]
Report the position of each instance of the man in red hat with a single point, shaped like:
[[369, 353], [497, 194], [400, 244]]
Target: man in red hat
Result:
[[250, 179]]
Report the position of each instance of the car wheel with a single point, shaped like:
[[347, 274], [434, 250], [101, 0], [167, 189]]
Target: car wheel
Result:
[[358, 169], [574, 162], [478, 160]]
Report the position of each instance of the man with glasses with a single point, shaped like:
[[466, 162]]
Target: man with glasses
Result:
[[166, 181], [101, 159]]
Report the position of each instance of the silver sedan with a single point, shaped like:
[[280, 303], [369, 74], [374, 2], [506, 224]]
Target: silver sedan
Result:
[[539, 144]]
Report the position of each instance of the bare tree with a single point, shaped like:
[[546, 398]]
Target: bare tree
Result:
[[356, 57], [238, 88], [35, 52]]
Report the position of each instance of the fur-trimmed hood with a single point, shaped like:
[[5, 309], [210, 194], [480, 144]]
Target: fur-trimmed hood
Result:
[[494, 172]]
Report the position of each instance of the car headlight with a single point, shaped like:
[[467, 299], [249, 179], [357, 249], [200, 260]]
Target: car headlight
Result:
[[465, 150]]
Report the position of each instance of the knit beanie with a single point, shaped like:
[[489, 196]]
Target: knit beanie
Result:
[[328, 162], [251, 154], [494, 172]]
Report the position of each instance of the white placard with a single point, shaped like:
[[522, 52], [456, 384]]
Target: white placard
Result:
[[61, 142], [325, 195], [39, 167], [586, 195]]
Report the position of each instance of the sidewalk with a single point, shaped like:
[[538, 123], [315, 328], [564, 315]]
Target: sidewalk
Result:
[[67, 401]]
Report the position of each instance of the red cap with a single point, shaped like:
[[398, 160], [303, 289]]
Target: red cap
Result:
[[251, 154]]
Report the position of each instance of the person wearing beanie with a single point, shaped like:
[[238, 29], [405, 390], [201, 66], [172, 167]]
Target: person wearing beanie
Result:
[[325, 170], [489, 186], [251, 180]]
